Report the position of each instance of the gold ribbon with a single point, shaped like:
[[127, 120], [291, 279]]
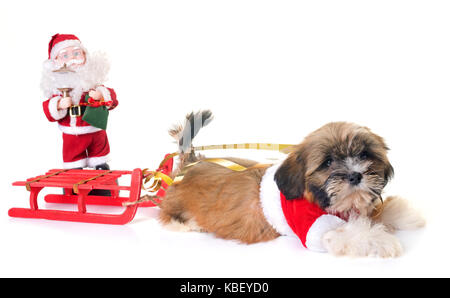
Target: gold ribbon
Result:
[[219, 161], [157, 176], [226, 163], [257, 146], [169, 156]]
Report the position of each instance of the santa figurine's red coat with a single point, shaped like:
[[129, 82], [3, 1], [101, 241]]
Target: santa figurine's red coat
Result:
[[83, 144], [75, 125]]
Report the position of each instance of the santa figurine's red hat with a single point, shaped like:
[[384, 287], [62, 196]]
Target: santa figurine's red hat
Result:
[[61, 41]]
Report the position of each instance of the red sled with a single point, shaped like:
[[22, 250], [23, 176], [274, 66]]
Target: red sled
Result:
[[77, 185]]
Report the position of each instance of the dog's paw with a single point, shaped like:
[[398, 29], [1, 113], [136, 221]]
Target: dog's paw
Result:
[[359, 238], [188, 226]]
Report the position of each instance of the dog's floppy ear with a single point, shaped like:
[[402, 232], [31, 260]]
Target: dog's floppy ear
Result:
[[290, 176], [388, 172], [388, 168]]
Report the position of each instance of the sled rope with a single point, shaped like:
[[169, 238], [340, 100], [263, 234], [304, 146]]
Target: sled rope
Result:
[[27, 184], [76, 185]]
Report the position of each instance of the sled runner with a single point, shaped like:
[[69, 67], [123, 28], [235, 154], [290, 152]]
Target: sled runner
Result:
[[77, 185]]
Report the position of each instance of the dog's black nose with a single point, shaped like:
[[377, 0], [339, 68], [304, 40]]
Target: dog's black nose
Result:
[[354, 178]]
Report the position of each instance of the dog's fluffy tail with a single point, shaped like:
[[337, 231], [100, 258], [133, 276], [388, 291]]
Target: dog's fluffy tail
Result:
[[185, 133]]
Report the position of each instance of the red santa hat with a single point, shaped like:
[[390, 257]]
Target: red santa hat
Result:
[[61, 41]]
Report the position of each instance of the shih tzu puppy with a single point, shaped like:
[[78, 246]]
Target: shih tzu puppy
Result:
[[327, 192]]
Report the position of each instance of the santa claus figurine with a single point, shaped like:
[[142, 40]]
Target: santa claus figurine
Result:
[[72, 80]]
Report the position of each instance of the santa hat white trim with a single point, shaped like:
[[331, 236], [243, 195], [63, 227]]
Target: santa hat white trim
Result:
[[65, 44], [321, 225], [269, 196], [273, 212]]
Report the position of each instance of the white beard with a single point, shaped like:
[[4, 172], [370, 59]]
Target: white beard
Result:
[[86, 77]]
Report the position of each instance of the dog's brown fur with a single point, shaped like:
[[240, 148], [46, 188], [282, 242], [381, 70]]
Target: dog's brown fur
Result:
[[221, 201]]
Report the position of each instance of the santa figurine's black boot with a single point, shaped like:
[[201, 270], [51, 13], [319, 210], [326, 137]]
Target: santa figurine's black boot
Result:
[[101, 192], [103, 166]]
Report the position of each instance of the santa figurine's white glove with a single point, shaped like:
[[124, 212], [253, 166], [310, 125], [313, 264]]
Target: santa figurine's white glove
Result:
[[64, 103], [95, 94]]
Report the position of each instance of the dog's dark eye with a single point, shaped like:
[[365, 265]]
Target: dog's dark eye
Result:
[[327, 163], [364, 155]]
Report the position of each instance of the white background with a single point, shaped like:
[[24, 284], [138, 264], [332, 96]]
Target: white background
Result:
[[271, 71]]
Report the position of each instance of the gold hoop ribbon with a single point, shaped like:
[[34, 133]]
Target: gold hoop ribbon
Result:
[[157, 177]]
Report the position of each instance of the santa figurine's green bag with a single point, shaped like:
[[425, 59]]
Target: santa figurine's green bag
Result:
[[96, 114]]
